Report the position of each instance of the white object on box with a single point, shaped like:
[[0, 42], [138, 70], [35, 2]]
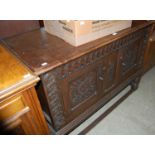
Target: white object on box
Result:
[[78, 32]]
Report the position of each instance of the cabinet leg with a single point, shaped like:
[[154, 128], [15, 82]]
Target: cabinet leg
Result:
[[104, 114], [135, 83]]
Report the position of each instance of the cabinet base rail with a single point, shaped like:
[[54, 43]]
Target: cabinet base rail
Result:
[[104, 114]]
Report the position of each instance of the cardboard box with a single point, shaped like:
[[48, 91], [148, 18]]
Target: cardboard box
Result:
[[78, 32]]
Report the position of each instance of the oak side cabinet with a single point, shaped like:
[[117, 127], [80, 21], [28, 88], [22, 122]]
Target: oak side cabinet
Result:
[[20, 111]]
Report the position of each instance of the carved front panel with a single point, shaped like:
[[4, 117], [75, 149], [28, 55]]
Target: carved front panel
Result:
[[83, 88], [131, 55], [129, 58], [54, 99]]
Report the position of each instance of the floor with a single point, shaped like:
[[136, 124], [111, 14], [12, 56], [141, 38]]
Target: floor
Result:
[[134, 116]]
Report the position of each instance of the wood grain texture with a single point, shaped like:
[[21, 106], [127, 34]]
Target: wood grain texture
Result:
[[20, 111], [10, 28], [38, 47], [14, 75], [150, 52], [35, 117], [21, 114]]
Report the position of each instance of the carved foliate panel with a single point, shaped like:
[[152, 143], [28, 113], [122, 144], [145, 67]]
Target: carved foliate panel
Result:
[[54, 99], [129, 58], [133, 52], [83, 88]]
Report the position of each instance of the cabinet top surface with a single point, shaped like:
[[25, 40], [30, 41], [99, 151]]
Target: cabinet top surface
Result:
[[42, 52], [13, 74]]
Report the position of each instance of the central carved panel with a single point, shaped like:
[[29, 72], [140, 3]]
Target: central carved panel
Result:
[[83, 88], [129, 57]]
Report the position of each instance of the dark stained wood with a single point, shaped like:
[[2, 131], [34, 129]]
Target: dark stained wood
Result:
[[94, 108], [38, 47], [41, 22], [10, 28], [138, 22], [150, 52], [77, 81]]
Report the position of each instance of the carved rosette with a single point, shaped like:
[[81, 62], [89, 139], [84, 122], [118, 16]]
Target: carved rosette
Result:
[[83, 88]]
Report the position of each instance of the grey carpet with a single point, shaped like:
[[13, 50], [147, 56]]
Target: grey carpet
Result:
[[135, 115]]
